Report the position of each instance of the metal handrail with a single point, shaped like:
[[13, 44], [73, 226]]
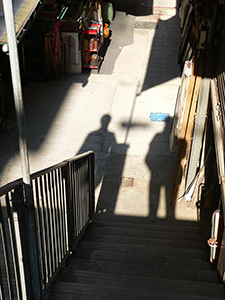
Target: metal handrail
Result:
[[63, 197]]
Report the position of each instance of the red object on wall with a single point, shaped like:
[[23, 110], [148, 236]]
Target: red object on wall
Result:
[[55, 41]]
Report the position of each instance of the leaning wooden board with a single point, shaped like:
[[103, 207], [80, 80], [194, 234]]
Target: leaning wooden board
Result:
[[198, 130], [187, 129], [177, 173]]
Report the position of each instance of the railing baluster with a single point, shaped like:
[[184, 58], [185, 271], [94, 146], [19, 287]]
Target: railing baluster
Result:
[[60, 236], [42, 229], [65, 195], [54, 219], [36, 208], [46, 228], [63, 208], [62, 205], [14, 249], [51, 240], [4, 252]]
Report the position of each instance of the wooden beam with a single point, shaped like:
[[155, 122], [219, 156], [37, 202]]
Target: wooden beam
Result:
[[198, 130], [187, 129], [177, 173], [218, 137]]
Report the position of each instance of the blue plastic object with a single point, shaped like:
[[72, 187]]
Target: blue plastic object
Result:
[[160, 117]]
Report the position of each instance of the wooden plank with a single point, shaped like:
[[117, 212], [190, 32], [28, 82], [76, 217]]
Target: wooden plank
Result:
[[185, 33], [180, 105], [188, 125], [221, 259], [198, 130], [218, 130], [177, 173]]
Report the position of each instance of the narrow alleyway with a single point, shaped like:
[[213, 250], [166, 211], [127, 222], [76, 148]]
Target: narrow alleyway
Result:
[[142, 78], [110, 113]]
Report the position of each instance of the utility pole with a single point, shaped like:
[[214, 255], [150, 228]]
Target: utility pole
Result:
[[19, 107]]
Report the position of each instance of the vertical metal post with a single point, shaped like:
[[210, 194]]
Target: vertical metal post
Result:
[[18, 100], [24, 260], [91, 185]]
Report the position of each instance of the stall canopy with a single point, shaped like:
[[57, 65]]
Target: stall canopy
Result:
[[24, 14]]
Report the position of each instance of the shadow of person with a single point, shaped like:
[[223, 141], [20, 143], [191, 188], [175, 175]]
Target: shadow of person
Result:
[[109, 162], [100, 141], [160, 162], [111, 182]]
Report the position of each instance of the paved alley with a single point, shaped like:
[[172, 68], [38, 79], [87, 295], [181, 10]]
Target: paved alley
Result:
[[139, 76], [138, 246]]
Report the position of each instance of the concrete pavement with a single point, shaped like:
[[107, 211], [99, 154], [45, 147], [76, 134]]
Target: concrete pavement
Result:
[[109, 113]]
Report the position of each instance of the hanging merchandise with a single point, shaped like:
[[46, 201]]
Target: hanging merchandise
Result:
[[106, 31], [92, 35], [94, 60], [86, 58]]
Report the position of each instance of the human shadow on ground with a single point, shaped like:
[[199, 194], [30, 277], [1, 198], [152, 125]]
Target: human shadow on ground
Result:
[[96, 141], [159, 160], [109, 162]]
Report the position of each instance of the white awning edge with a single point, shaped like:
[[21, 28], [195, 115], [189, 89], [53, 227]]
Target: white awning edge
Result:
[[23, 11]]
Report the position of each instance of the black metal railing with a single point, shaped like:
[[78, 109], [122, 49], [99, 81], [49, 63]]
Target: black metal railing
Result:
[[63, 198]]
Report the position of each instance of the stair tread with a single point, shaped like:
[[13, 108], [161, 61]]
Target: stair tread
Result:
[[157, 270], [163, 240], [137, 261], [124, 285], [61, 290], [145, 258], [150, 226], [155, 245], [148, 233]]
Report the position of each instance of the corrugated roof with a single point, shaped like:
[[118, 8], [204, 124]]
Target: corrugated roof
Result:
[[23, 9]]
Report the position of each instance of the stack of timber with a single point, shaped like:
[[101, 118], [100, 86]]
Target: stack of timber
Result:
[[190, 130], [195, 23], [189, 34]]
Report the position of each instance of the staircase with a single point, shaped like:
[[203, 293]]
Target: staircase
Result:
[[129, 261]]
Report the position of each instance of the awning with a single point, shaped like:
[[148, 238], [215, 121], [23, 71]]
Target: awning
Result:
[[24, 12]]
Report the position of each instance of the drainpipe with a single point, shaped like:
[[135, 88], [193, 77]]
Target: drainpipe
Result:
[[19, 107]]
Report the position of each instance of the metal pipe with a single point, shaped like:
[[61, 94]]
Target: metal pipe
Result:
[[19, 107], [17, 90]]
